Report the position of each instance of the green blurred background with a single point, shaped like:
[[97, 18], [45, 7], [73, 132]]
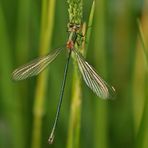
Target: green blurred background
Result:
[[28, 27]]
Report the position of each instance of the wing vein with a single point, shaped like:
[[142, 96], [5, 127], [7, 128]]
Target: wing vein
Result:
[[92, 79], [35, 66]]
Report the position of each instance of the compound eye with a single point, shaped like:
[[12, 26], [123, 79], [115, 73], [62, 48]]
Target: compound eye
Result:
[[71, 25], [78, 25]]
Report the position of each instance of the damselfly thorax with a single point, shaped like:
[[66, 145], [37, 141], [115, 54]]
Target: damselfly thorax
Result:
[[73, 30]]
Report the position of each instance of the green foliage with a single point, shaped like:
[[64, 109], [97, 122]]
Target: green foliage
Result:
[[27, 109]]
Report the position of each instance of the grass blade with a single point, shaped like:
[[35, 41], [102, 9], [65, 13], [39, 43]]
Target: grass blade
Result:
[[141, 139], [45, 44], [10, 108]]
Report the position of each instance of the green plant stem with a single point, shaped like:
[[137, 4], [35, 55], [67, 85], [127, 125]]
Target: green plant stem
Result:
[[100, 108], [10, 112], [75, 112], [89, 27], [22, 40], [22, 52], [141, 140], [75, 16], [75, 109], [143, 42], [48, 9]]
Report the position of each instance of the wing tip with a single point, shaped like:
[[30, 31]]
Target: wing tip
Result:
[[112, 93]]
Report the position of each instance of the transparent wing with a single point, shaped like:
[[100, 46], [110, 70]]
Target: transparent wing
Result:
[[92, 79], [34, 67]]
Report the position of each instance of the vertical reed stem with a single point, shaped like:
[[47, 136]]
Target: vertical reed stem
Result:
[[75, 16], [48, 9], [75, 112], [141, 139], [11, 122], [100, 108]]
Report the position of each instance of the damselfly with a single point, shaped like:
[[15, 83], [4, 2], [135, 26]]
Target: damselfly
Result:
[[90, 76]]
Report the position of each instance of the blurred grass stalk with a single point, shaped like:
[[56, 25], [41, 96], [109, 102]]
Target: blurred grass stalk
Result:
[[75, 113], [22, 45], [10, 107], [100, 108], [47, 22], [22, 35], [142, 132]]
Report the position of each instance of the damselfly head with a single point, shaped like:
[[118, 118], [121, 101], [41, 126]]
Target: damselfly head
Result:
[[72, 27]]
